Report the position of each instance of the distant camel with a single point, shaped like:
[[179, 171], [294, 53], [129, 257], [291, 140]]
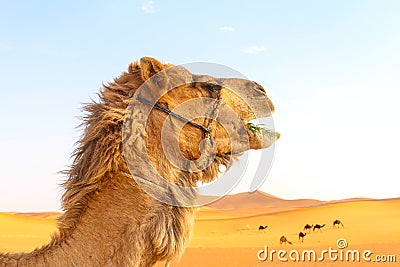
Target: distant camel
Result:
[[301, 236], [317, 226], [338, 223], [261, 228], [284, 240], [308, 227]]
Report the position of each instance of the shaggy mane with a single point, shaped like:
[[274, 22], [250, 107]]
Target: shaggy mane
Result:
[[99, 151]]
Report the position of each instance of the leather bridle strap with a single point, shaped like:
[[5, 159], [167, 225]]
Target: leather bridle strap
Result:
[[173, 114]]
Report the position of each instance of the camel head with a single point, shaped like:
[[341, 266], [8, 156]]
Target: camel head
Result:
[[195, 123], [161, 120]]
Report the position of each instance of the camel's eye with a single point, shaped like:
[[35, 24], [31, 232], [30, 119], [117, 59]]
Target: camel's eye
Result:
[[212, 87], [259, 87]]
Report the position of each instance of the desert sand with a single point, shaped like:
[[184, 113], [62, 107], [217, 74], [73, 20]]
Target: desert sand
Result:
[[226, 232]]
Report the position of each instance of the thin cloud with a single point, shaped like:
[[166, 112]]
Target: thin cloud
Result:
[[253, 49], [149, 7], [226, 29]]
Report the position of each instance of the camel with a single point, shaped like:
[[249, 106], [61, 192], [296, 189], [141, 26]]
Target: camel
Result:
[[283, 239], [117, 209], [301, 236], [338, 223], [308, 227], [319, 227], [262, 228]]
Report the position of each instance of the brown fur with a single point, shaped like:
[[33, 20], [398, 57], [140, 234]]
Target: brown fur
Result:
[[109, 220]]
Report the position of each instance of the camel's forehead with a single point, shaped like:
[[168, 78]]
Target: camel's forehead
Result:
[[228, 82], [232, 84], [179, 75], [206, 79]]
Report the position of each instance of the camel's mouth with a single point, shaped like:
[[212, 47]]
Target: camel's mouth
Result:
[[259, 136], [252, 135], [244, 126], [251, 103]]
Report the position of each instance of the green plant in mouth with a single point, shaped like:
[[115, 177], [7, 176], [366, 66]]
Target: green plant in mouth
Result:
[[259, 131]]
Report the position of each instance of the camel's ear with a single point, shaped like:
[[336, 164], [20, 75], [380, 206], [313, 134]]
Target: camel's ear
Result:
[[150, 66]]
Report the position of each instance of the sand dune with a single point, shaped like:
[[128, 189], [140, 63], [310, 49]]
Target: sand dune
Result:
[[44, 215], [262, 199], [258, 199], [24, 232], [224, 236]]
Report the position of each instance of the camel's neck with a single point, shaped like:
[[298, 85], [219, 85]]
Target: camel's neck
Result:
[[121, 226]]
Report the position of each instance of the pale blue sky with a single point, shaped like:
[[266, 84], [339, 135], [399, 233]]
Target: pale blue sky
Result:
[[331, 68]]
